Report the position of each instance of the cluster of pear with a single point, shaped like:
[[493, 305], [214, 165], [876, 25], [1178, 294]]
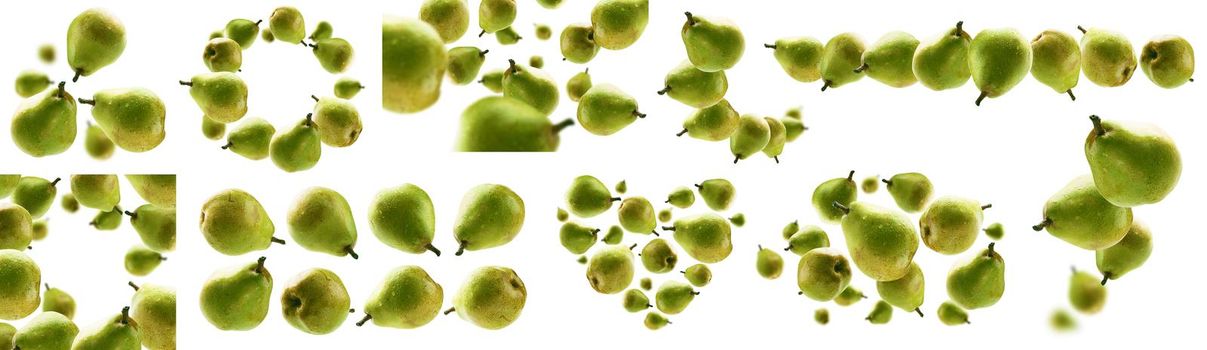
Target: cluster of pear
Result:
[[150, 319], [996, 59], [320, 220], [610, 270], [45, 122], [222, 95]]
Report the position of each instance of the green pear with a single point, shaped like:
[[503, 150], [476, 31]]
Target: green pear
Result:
[[315, 301], [543, 32], [790, 229], [588, 197], [531, 86], [738, 219], [622, 187], [839, 59], [297, 149], [951, 224], [698, 275], [1133, 163], [323, 29], [549, 4], [911, 191], [619, 23], [849, 296], [141, 261], [978, 280], [839, 190], [222, 55], [1079, 214], [413, 64], [266, 35], [450, 18], [464, 62], [674, 296], [636, 215], [610, 270], [20, 295], [1168, 61], [251, 138], [713, 44], [537, 62], [118, 332], [881, 313], [57, 300], [999, 59], [234, 223], [493, 80], [578, 85], [870, 184], [951, 314], [7, 331], [705, 237], [646, 283], [40, 229], [403, 218], [495, 15], [132, 118], [778, 136], [153, 308], [45, 124], [158, 189], [713, 123], [287, 25], [236, 298], [1127, 255], [717, 193], [793, 128], [890, 60], [768, 263], [577, 43], [658, 257], [1107, 57], [107, 220], [407, 298], [682, 197], [31, 82], [222, 96], [16, 227], [751, 136], [243, 31], [492, 297], [95, 39], [907, 292], [507, 36], [490, 216], [822, 274], [614, 236], [808, 238], [337, 120], [334, 54], [995, 231], [821, 316], [47, 331], [665, 215], [577, 238], [881, 241], [502, 124], [636, 301], [1062, 321], [694, 87], [800, 57], [347, 88], [46, 53], [8, 183], [35, 194], [1056, 61], [69, 203], [321, 220], [211, 129], [1085, 293], [655, 321], [96, 191], [941, 63]]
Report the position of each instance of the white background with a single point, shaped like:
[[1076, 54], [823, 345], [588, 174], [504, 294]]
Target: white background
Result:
[[1013, 151]]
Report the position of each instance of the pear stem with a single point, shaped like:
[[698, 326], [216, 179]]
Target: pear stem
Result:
[[131, 214], [845, 210], [351, 252], [309, 120], [851, 176], [315, 98], [557, 128], [450, 310], [861, 68], [432, 249], [887, 182], [1105, 277], [125, 315], [769, 46], [698, 186], [639, 114], [691, 21], [959, 28], [62, 89], [132, 285], [260, 264], [680, 134], [364, 320], [981, 98], [668, 228], [186, 83], [461, 248], [826, 85], [777, 159], [1070, 93], [227, 145], [1097, 125], [258, 21], [987, 206], [615, 199], [788, 248], [989, 252], [483, 53], [56, 181], [736, 158], [633, 246], [483, 32], [1042, 224], [77, 75], [919, 311], [664, 90], [1081, 29], [278, 241], [511, 65]]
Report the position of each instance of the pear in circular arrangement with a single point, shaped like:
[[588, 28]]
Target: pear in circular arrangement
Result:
[[492, 297], [951, 314], [324, 30], [31, 82], [849, 296], [713, 123], [1133, 163], [141, 261], [1107, 57], [1127, 255], [999, 59], [1078, 214], [156, 226], [69, 203], [578, 85], [132, 118], [266, 35], [705, 237], [97, 191], [491, 215], [95, 39], [881, 241], [577, 43], [40, 229], [577, 238], [404, 218], [413, 63], [768, 263], [210, 129], [977, 281], [951, 224], [158, 189], [251, 138], [911, 191], [222, 55], [751, 136], [495, 15], [287, 25], [464, 62], [588, 197], [839, 190], [806, 239], [48, 330], [236, 298], [890, 60], [604, 110], [610, 270], [542, 32], [665, 215], [658, 257], [119, 332], [694, 87], [839, 59], [907, 292], [713, 44], [698, 275], [297, 149], [1168, 61], [242, 31], [45, 124], [16, 227], [636, 215], [636, 301], [655, 321], [870, 184], [234, 223], [408, 298], [1056, 61], [315, 301], [622, 187], [717, 193], [1086, 294], [614, 236], [790, 229], [881, 313], [20, 295], [531, 86], [619, 23], [507, 36], [941, 63], [537, 62], [995, 231], [337, 120], [347, 88], [738, 219], [57, 300], [682, 197], [800, 57], [821, 316], [673, 296], [450, 18], [321, 220], [503, 124], [222, 96], [1062, 321], [778, 136], [823, 274], [153, 307], [107, 220], [35, 194], [334, 54], [562, 215]]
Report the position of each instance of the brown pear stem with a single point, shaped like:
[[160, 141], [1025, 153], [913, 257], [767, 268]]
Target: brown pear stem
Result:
[[258, 21], [919, 311], [483, 53], [351, 252], [981, 98], [777, 159], [132, 285], [1097, 125], [260, 264], [86, 101], [736, 158], [1106, 276], [887, 182], [668, 228], [483, 32], [1042, 224], [987, 206], [698, 186], [842, 208], [664, 90], [826, 85], [989, 252], [450, 310], [1070, 93], [56, 181], [789, 248], [769, 46], [125, 315], [511, 65], [227, 145], [78, 73], [1081, 29], [278, 241], [691, 21], [861, 68], [315, 98], [680, 134], [364, 320], [639, 114], [959, 28], [186, 83], [461, 248], [132, 215], [633, 246], [309, 120], [432, 248], [851, 176], [557, 128]]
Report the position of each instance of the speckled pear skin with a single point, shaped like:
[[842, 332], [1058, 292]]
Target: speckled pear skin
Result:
[[1133, 163]]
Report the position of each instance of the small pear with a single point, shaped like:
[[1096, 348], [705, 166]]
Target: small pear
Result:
[[717, 193], [995, 231], [1168, 61], [768, 263], [751, 136], [619, 23], [713, 123], [790, 229], [97, 191], [588, 197], [870, 184], [502, 124], [507, 36], [16, 227], [614, 236], [158, 189], [537, 62], [115, 333], [95, 39], [156, 226], [1056, 61], [778, 137], [132, 118], [46, 53], [287, 25], [839, 190], [450, 18], [1085, 293], [31, 82], [464, 62], [665, 215], [951, 224], [493, 81], [141, 261], [881, 313], [1079, 214], [941, 63], [407, 298], [806, 239], [49, 331], [655, 321], [491, 215], [610, 270], [698, 275], [1062, 321], [636, 215], [636, 301], [951, 314], [222, 55], [881, 241], [622, 187], [242, 31], [321, 220], [413, 63], [492, 297], [604, 110], [823, 273], [577, 238], [35, 194], [578, 85], [1133, 163], [315, 301], [543, 32], [58, 300], [45, 124], [209, 128], [577, 43], [21, 293], [705, 237], [40, 229], [234, 223], [334, 54], [821, 316], [347, 88], [890, 60], [738, 219], [682, 197], [251, 138], [839, 59], [531, 86], [800, 57], [907, 292], [337, 120], [69, 203], [8, 184], [674, 296], [549, 4], [713, 44], [496, 15], [1107, 57], [849, 296], [237, 298], [222, 96], [646, 283], [404, 218], [911, 191], [297, 149], [999, 59], [793, 128], [153, 307], [977, 281], [107, 220], [266, 35], [658, 257], [1127, 255], [694, 87]]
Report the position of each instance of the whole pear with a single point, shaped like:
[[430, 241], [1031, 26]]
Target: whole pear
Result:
[[951, 224], [45, 124], [881, 241], [315, 301], [491, 215], [610, 270], [237, 298], [800, 57], [839, 59], [713, 123], [95, 39], [407, 298], [1056, 61], [1079, 214], [713, 44], [941, 63], [404, 218], [20, 295], [413, 63], [502, 124], [321, 220], [604, 110], [1127, 255], [1107, 57], [234, 223], [822, 274], [841, 190], [705, 237], [492, 297], [977, 281], [1168, 61], [999, 59], [1133, 163], [890, 60], [619, 23]]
